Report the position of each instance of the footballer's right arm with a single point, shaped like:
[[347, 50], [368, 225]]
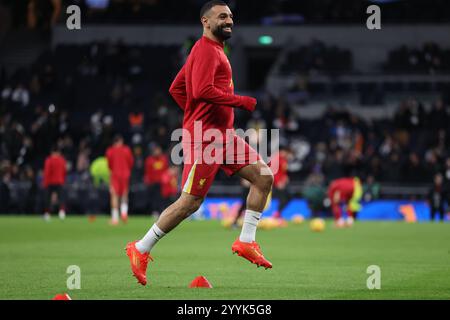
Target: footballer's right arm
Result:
[[178, 89]]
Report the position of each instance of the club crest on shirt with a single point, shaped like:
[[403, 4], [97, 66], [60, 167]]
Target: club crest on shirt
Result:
[[201, 183], [158, 165]]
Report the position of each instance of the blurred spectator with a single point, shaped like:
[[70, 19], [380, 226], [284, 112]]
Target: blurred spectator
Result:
[[437, 197], [156, 165], [314, 193], [371, 189]]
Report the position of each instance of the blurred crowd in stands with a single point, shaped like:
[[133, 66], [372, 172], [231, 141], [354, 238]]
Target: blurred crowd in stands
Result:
[[409, 148], [43, 14], [110, 88], [34, 14], [38, 111], [317, 58], [428, 59]]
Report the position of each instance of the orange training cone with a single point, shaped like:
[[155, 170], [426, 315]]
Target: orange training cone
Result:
[[62, 296], [200, 282]]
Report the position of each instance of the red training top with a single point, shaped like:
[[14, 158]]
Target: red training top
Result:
[[54, 170], [169, 184], [345, 186], [120, 160], [281, 175], [154, 168], [204, 89]]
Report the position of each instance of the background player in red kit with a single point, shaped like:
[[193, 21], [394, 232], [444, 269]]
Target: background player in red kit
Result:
[[348, 192], [279, 160], [281, 178], [120, 162], [204, 90], [169, 185], [155, 165], [54, 179]]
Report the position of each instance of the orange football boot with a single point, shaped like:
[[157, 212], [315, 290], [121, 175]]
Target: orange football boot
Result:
[[138, 262], [252, 252], [124, 217]]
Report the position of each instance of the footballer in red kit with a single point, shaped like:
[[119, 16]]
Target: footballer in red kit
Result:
[[169, 184], [120, 162], [204, 90], [345, 191], [54, 179], [280, 160], [156, 164]]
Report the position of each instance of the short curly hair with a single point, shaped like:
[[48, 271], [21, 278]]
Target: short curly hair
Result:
[[208, 5]]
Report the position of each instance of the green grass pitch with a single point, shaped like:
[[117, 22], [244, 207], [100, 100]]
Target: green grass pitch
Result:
[[414, 261]]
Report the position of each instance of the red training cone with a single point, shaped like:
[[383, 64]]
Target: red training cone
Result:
[[62, 296], [200, 282]]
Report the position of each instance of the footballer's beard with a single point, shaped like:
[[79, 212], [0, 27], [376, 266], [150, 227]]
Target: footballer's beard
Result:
[[221, 34]]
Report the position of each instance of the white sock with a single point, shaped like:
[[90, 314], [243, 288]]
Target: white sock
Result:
[[150, 239], [124, 208], [62, 214], [115, 214], [251, 220]]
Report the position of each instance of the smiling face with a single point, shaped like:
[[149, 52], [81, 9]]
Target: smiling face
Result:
[[219, 21]]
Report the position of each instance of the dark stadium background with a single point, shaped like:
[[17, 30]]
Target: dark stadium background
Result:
[[348, 100]]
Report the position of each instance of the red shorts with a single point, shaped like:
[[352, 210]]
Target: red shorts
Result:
[[120, 184], [202, 161]]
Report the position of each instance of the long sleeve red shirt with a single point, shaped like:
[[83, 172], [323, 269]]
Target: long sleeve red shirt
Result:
[[155, 166], [169, 184], [345, 186], [204, 88], [120, 160], [54, 171], [280, 161]]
